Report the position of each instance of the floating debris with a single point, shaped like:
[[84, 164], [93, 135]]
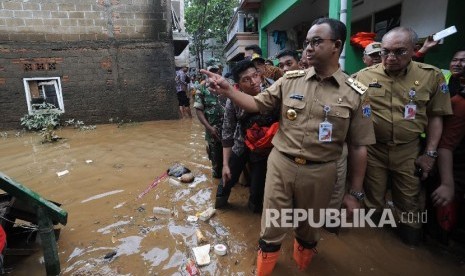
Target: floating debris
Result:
[[187, 178], [207, 214], [192, 218], [191, 268], [200, 237], [220, 249], [110, 255], [202, 254], [62, 173], [161, 211], [174, 181], [177, 170]]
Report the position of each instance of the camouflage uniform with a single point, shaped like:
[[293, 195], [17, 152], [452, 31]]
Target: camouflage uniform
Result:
[[213, 107]]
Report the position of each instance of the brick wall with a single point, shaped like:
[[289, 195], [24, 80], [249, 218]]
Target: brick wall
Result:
[[114, 57], [67, 20]]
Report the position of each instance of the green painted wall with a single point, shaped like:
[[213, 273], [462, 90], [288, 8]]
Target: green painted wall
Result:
[[334, 7], [353, 55], [441, 55], [269, 11]]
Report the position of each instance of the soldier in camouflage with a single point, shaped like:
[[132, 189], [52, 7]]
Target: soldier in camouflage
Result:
[[210, 109]]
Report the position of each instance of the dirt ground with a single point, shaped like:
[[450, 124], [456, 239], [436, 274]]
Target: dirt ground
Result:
[[106, 216]]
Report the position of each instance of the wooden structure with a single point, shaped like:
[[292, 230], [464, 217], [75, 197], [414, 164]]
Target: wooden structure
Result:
[[22, 203]]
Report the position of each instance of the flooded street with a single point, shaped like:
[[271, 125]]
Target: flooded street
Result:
[[110, 166]]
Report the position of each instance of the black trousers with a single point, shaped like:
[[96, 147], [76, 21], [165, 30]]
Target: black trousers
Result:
[[256, 177]]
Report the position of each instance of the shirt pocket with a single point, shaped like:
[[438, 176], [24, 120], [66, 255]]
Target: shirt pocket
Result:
[[377, 99], [421, 100], [339, 117], [293, 111]]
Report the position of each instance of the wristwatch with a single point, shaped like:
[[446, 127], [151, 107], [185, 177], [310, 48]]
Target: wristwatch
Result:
[[358, 195], [431, 153]]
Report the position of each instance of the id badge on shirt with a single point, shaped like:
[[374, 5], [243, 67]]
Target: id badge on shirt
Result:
[[410, 111], [326, 132]]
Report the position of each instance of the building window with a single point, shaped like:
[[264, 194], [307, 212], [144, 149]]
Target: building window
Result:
[[379, 22], [40, 90]]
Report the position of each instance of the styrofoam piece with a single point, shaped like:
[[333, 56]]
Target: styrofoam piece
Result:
[[202, 254], [62, 173]]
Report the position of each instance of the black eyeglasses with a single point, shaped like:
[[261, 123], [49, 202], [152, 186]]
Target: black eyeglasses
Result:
[[314, 42], [394, 53]]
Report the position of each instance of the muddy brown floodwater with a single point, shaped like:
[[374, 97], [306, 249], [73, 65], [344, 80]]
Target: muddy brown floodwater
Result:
[[105, 216]]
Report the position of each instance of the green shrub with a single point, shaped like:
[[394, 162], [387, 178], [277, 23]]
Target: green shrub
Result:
[[45, 118]]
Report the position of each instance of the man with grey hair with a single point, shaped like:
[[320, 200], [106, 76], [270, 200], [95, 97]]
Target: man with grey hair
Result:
[[406, 99]]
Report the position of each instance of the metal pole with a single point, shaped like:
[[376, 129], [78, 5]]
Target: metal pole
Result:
[[343, 19]]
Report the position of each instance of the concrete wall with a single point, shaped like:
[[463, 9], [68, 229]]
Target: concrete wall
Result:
[[114, 57], [425, 17]]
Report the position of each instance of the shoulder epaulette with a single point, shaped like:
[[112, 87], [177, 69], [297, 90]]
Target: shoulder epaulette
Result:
[[427, 66], [356, 85], [294, 74]]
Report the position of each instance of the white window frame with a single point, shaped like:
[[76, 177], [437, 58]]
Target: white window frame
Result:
[[50, 80]]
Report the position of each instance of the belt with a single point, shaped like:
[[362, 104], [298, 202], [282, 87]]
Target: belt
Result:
[[392, 144], [301, 161]]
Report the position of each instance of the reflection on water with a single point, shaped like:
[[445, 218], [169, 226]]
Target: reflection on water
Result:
[[129, 245], [156, 256], [101, 195], [106, 230], [105, 216]]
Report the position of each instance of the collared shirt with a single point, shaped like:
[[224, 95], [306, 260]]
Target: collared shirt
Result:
[[181, 81], [389, 95], [233, 134], [307, 96]]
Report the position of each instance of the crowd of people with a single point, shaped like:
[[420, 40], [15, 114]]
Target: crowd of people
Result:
[[308, 136]]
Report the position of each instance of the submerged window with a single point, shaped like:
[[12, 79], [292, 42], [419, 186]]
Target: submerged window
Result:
[[43, 90]]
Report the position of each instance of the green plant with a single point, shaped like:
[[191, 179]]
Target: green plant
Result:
[[79, 124], [44, 119]]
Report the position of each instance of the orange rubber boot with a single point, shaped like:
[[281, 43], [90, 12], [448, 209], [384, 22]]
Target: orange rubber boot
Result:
[[266, 262], [303, 256]]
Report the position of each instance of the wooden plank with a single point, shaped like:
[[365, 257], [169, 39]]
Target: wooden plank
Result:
[[49, 246], [35, 200]]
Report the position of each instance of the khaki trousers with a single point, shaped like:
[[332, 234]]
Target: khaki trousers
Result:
[[340, 188], [289, 185], [395, 164]]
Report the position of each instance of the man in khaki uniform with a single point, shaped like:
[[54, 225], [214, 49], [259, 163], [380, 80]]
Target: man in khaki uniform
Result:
[[320, 109], [407, 98]]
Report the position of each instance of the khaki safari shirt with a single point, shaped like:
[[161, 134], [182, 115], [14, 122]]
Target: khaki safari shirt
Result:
[[388, 97], [307, 95]]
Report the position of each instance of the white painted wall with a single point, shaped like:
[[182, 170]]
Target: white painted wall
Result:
[[183, 58], [424, 16]]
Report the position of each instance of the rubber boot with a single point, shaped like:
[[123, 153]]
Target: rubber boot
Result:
[[266, 262], [303, 256], [222, 196]]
